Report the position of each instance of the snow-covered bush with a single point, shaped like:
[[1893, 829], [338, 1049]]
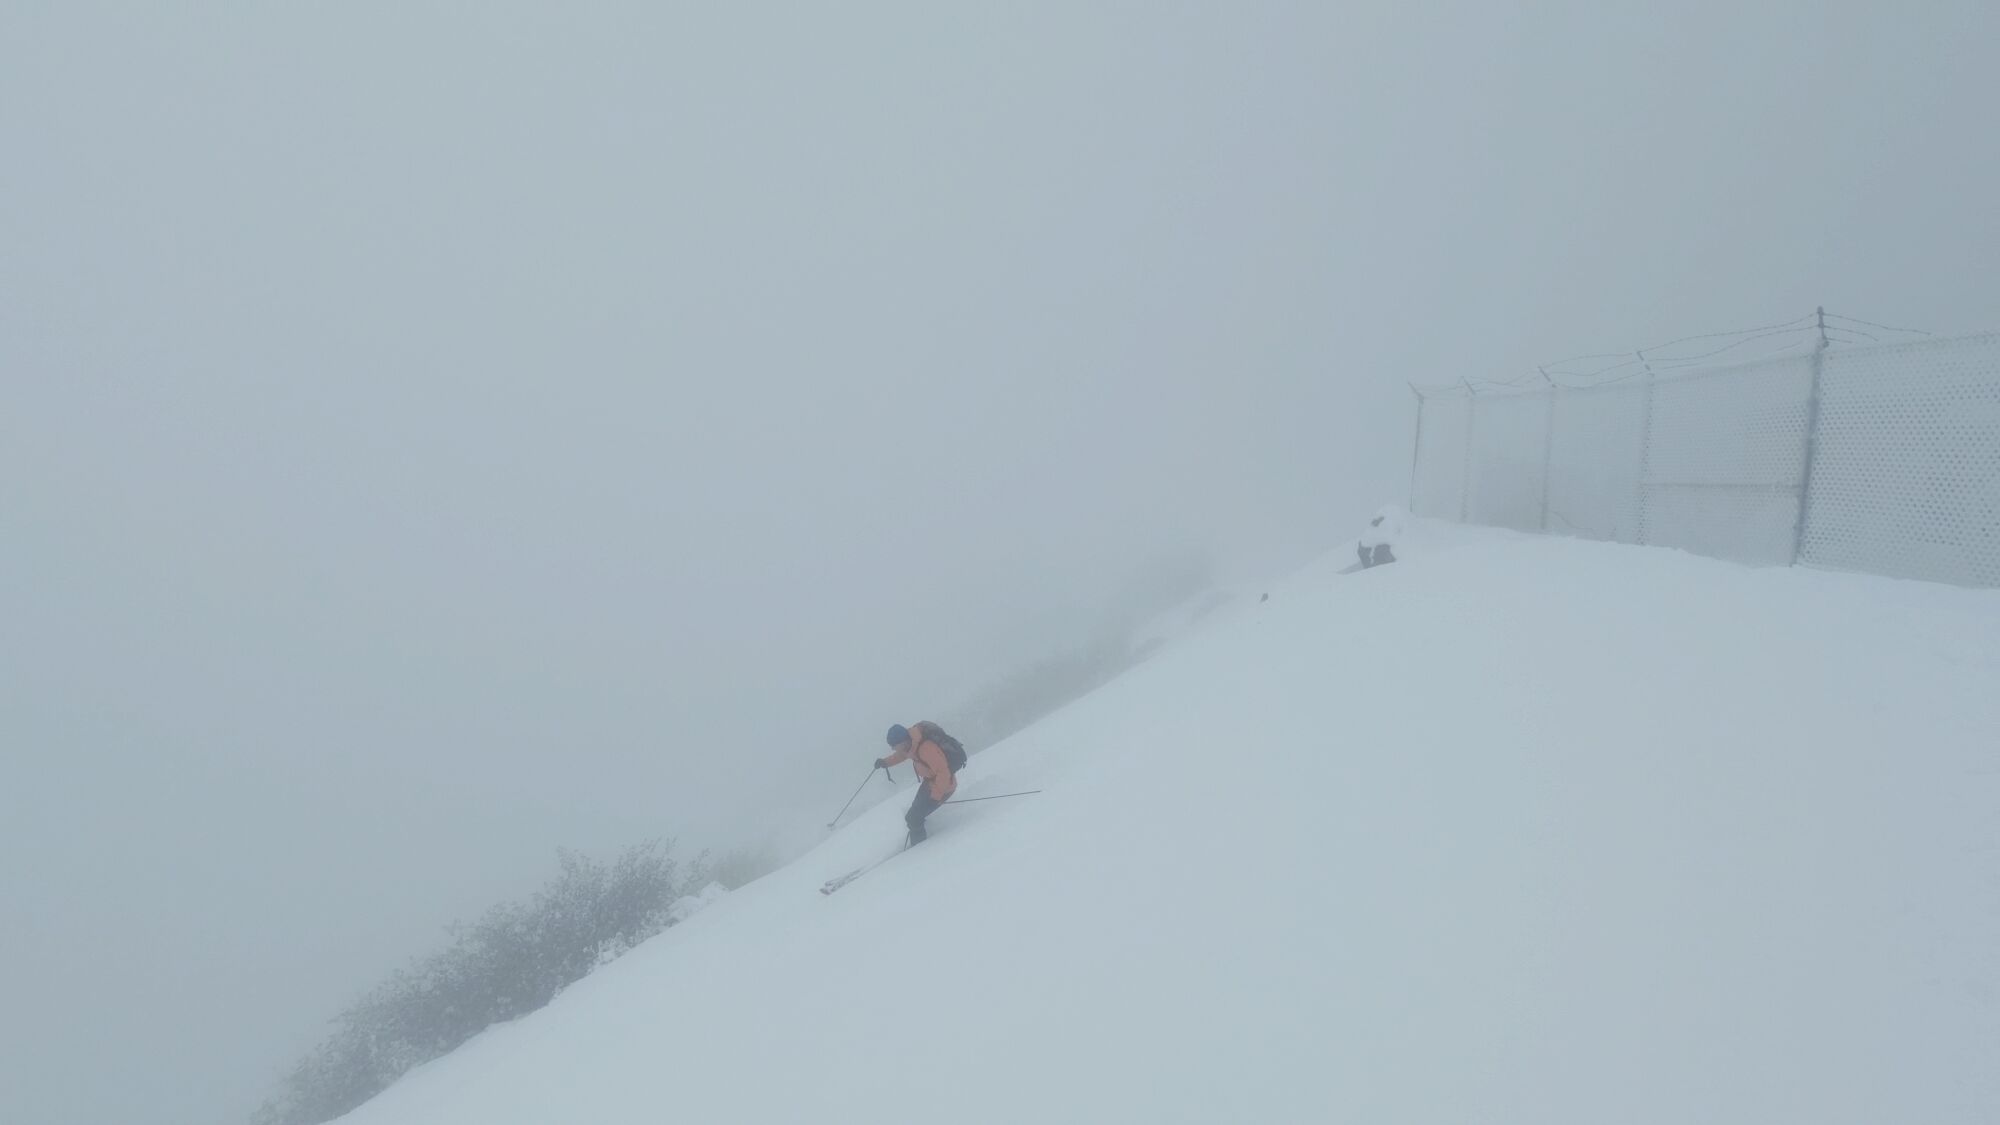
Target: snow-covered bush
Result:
[[514, 959]]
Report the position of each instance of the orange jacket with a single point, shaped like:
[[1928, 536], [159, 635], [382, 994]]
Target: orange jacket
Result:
[[929, 756]]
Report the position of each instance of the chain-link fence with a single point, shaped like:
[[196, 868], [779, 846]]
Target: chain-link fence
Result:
[[1883, 459]]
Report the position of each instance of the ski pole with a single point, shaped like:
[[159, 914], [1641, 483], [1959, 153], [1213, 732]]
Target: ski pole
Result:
[[850, 800], [994, 797]]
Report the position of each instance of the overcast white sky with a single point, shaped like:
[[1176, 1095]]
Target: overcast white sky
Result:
[[434, 433]]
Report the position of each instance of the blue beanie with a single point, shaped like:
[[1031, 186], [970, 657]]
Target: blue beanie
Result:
[[898, 735]]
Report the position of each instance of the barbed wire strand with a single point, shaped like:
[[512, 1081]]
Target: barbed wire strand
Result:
[[1595, 355], [1801, 348], [1810, 322], [1725, 347], [1596, 373], [1795, 324], [1802, 324], [1659, 367], [1787, 326], [1807, 336], [1620, 379], [1685, 362], [1883, 327]]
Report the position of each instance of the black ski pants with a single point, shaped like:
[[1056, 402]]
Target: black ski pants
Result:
[[920, 808]]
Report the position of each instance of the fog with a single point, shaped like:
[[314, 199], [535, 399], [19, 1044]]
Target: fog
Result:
[[435, 434]]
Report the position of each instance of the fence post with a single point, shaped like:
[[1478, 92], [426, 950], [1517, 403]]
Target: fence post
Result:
[[1416, 449], [1645, 443], [1465, 470], [1812, 441], [1548, 445]]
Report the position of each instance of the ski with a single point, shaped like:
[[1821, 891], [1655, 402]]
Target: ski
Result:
[[839, 881]]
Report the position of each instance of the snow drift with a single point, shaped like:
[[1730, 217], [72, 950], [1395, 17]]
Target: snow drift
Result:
[[1512, 830]]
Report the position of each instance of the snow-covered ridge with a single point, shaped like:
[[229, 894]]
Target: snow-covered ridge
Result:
[[1511, 830]]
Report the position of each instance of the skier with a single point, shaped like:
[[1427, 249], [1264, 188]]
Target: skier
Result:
[[922, 744]]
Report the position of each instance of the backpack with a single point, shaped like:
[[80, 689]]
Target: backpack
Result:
[[954, 750]]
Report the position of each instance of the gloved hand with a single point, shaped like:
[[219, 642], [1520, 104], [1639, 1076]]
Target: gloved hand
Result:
[[881, 763]]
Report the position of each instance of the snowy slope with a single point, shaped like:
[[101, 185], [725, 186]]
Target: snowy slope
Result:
[[1514, 830]]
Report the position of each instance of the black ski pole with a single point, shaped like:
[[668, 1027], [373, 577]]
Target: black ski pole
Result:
[[850, 800], [994, 797]]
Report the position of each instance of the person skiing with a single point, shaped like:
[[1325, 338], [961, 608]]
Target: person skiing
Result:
[[923, 745]]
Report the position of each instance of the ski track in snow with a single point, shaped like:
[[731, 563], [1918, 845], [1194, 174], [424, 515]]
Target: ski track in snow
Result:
[[1513, 830]]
